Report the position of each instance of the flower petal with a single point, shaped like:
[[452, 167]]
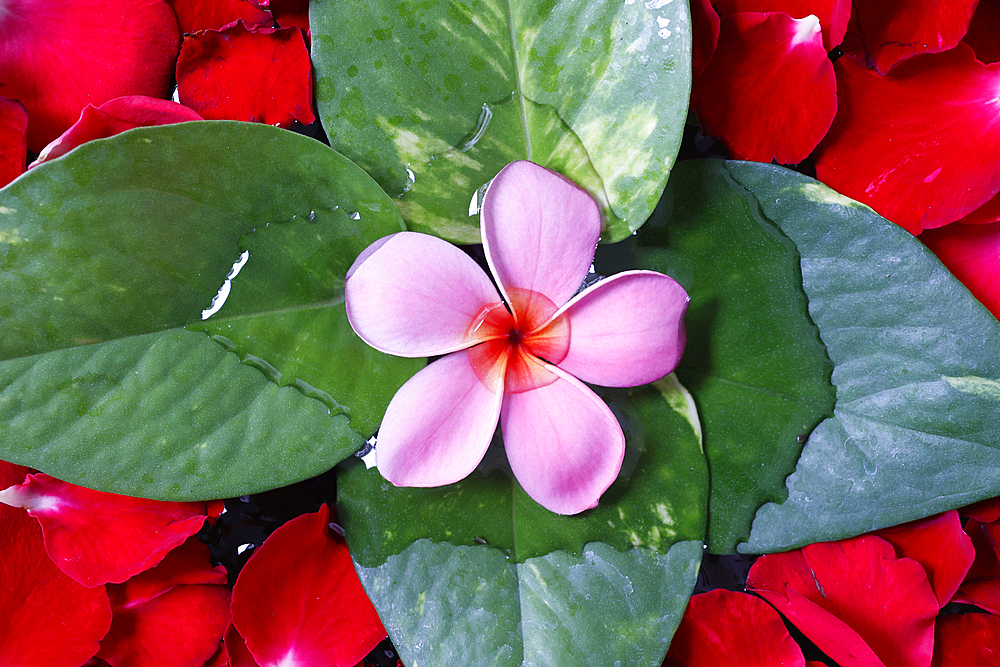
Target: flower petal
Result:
[[96, 537], [769, 91], [885, 33], [735, 629], [414, 295], [197, 15], [982, 33], [46, 618], [928, 134], [236, 649], [564, 444], [858, 585], [314, 613], [940, 545], [291, 14], [539, 232], [961, 640], [438, 425], [982, 584], [13, 140], [833, 15], [986, 511], [262, 75], [626, 330], [705, 34], [972, 254], [57, 56], [113, 117]]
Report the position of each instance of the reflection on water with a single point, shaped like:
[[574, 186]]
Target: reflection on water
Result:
[[220, 299]]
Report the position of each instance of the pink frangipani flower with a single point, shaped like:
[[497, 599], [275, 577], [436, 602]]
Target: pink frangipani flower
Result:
[[520, 356]]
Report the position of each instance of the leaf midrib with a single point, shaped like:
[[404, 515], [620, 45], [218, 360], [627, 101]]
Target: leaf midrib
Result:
[[517, 80]]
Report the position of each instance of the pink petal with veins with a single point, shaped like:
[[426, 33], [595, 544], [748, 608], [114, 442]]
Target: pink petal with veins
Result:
[[539, 232], [438, 425], [298, 601], [113, 117], [96, 537], [626, 330], [414, 295], [564, 444]]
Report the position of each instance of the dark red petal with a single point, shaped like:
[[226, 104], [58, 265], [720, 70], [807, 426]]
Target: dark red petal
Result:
[[769, 91], [988, 212], [197, 15], [260, 76], [962, 640], [921, 147], [98, 537], [734, 629], [833, 15], [113, 117], [313, 612], [219, 659], [187, 564], [884, 33], [236, 650], [983, 30], [986, 511], [854, 599], [13, 140], [291, 14], [46, 618], [940, 545], [57, 56], [972, 254], [705, 29], [982, 584]]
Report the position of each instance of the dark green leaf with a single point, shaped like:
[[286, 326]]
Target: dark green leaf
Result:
[[107, 252], [434, 97]]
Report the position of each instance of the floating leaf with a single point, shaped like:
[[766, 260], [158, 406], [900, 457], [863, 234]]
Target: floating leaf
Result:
[[434, 97], [478, 572], [105, 255]]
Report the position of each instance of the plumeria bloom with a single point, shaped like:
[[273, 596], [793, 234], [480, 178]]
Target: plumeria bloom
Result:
[[520, 356]]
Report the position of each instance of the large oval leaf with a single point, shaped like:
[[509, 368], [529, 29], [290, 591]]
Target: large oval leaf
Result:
[[434, 97], [105, 255], [478, 572]]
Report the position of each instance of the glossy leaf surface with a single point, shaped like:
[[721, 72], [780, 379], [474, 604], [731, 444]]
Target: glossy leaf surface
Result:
[[454, 570], [433, 98], [105, 255]]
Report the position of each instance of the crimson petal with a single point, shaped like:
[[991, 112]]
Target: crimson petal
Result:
[[982, 584], [927, 133], [113, 117], [983, 29], [769, 91], [236, 649], [961, 640], [940, 545], [263, 75], [972, 254], [854, 599], [883, 34], [833, 15], [291, 14], [735, 629], [57, 56], [986, 511], [299, 602], [96, 537], [197, 15], [46, 618], [705, 37], [13, 140]]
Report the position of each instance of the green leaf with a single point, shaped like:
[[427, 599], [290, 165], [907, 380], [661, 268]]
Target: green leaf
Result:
[[478, 572], [916, 428], [434, 97], [105, 255], [754, 360]]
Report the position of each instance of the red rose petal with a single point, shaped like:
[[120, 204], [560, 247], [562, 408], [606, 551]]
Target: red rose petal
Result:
[[858, 587], [197, 15], [114, 117], [769, 91], [220, 659], [57, 56], [734, 629], [291, 14], [961, 640], [833, 15], [940, 545], [705, 29], [884, 33], [161, 619], [236, 650], [988, 212], [98, 537], [13, 146], [46, 618], [986, 511], [922, 146], [299, 600], [983, 30], [260, 76], [972, 254], [982, 584]]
